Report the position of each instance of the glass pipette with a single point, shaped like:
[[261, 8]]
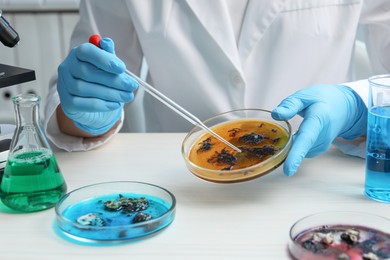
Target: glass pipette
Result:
[[179, 110], [95, 39]]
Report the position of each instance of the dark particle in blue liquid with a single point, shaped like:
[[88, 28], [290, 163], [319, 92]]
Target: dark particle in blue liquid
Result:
[[141, 217]]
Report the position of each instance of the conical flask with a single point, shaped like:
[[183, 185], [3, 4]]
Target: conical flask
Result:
[[32, 180]]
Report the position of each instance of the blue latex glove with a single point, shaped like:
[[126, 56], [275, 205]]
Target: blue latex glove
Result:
[[93, 86], [328, 111]]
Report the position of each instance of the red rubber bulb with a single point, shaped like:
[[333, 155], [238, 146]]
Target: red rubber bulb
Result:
[[95, 40]]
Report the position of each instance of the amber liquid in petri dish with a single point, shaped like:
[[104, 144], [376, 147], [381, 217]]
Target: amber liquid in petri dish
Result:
[[258, 141]]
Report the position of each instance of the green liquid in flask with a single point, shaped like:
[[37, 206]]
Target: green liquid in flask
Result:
[[32, 181]]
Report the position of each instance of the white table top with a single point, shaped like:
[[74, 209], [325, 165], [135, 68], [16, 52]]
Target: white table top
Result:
[[249, 220]]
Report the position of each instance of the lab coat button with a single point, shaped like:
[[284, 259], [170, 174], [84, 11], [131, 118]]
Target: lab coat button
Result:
[[236, 79]]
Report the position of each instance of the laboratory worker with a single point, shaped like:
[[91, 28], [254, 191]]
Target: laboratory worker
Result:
[[214, 56]]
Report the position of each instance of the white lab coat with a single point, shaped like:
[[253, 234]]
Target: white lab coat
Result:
[[195, 59]]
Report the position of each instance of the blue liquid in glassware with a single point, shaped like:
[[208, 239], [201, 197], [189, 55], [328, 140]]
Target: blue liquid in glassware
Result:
[[377, 185], [118, 225]]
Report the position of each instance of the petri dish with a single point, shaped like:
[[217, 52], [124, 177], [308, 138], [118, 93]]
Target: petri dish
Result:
[[264, 143], [115, 211], [340, 235]]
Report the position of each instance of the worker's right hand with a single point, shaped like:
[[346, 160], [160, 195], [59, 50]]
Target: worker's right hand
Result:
[[93, 86]]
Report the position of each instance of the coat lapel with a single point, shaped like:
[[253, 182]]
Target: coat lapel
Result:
[[219, 30], [260, 14]]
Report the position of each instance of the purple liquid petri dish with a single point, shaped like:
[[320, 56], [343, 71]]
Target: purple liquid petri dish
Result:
[[340, 235]]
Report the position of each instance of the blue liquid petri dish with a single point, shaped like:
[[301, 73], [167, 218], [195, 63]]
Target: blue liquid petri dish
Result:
[[115, 211]]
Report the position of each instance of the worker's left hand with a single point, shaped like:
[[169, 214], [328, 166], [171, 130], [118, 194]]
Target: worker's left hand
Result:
[[328, 111]]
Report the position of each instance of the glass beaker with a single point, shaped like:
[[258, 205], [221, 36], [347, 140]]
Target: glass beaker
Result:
[[32, 180], [377, 184]]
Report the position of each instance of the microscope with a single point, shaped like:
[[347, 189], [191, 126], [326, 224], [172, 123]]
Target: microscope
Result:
[[9, 76]]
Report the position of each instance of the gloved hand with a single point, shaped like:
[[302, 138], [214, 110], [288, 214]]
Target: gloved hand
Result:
[[93, 86], [328, 111]]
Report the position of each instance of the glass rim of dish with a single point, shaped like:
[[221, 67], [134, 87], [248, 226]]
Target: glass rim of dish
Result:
[[276, 155], [132, 225]]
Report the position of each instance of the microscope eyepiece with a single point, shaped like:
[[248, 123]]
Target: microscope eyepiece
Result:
[[8, 36]]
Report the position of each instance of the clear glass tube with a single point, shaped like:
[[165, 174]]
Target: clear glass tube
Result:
[[377, 181]]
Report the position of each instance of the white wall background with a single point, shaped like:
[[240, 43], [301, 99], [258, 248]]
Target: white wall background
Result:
[[44, 28]]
